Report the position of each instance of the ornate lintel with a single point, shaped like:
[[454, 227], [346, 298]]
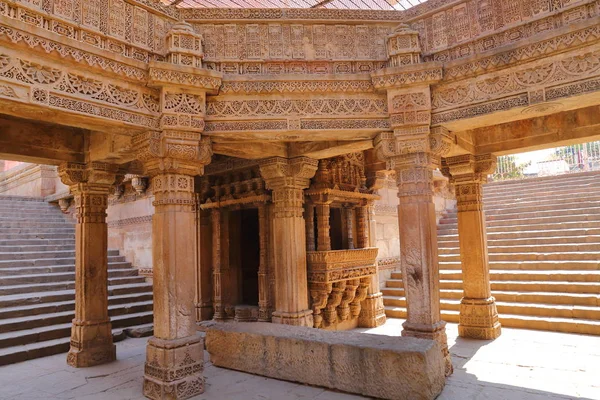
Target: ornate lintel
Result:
[[415, 74], [162, 74]]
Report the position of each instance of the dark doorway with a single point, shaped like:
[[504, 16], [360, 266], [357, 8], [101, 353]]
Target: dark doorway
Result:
[[250, 256]]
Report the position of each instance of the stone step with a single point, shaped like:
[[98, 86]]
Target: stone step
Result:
[[539, 201], [8, 281], [12, 217], [580, 299], [452, 242], [28, 310], [556, 179], [512, 275], [574, 207], [452, 217], [547, 310], [571, 256], [49, 262], [40, 247], [584, 287], [63, 317], [565, 325], [56, 269], [554, 248], [20, 299], [531, 222], [530, 190], [25, 336], [15, 354], [593, 227], [39, 231], [532, 265], [37, 242], [37, 225], [65, 285], [576, 191], [8, 237], [547, 223], [37, 255], [526, 233]]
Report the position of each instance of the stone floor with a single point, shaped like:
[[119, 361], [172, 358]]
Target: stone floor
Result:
[[519, 365]]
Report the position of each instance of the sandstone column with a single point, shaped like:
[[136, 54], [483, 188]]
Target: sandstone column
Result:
[[91, 333], [478, 314], [372, 313], [287, 178], [174, 356]]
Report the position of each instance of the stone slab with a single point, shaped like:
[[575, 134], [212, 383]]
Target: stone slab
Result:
[[376, 366]]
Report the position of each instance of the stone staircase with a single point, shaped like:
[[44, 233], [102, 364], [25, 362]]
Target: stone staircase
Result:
[[37, 282], [544, 249]]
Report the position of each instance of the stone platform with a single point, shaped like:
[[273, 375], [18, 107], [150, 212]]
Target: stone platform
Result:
[[519, 365], [376, 366]]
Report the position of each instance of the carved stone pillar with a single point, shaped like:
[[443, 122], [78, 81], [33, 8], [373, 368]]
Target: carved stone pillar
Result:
[[349, 216], [372, 313], [478, 314], [362, 227], [91, 333], [323, 237], [287, 178], [219, 310], [204, 290], [309, 219], [174, 356], [263, 278]]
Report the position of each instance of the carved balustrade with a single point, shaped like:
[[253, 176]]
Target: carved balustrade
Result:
[[338, 281]]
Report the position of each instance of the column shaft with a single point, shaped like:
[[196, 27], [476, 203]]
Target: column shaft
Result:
[[91, 333], [323, 237], [174, 356], [418, 247], [478, 317], [287, 178]]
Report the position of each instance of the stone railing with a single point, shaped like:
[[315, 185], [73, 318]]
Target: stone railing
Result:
[[338, 281]]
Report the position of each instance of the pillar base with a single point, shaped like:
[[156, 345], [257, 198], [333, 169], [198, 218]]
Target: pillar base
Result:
[[372, 312], [91, 344], [173, 369], [435, 332], [479, 319], [301, 318]]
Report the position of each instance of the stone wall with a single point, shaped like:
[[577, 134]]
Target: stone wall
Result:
[[130, 226], [31, 180], [386, 217]]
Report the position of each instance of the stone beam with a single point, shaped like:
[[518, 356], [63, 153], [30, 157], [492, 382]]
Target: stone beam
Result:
[[320, 150], [569, 127], [40, 143], [110, 147], [250, 150]]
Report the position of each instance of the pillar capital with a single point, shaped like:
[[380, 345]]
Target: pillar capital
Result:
[[90, 176], [468, 173], [173, 152], [279, 172], [469, 168]]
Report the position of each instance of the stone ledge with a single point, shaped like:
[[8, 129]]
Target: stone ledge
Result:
[[371, 365]]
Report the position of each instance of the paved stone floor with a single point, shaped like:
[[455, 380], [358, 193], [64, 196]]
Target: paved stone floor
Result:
[[519, 365]]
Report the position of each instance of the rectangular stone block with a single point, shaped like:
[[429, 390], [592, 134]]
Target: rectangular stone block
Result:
[[371, 365]]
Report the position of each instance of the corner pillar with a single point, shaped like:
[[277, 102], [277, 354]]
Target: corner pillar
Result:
[[288, 178], [91, 332], [478, 314]]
